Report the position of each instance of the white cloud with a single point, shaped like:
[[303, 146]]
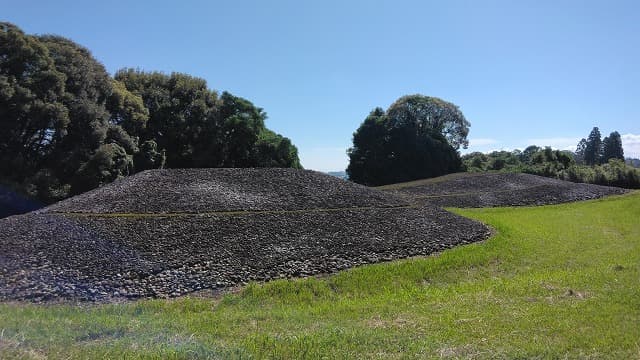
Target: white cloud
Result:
[[631, 145]]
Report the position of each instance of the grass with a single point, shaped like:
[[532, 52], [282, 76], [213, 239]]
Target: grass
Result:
[[554, 282]]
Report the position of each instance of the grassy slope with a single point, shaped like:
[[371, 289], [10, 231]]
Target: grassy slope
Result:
[[556, 281]]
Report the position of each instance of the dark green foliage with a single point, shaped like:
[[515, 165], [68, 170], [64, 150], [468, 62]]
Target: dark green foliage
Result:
[[108, 163], [405, 143], [427, 113], [556, 164], [127, 110], [369, 159], [580, 151], [527, 154], [181, 109], [612, 147], [66, 126], [274, 150], [196, 128], [149, 157], [33, 117], [593, 148]]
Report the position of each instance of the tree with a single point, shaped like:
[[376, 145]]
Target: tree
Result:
[[369, 158], [88, 88], [127, 110], [67, 126], [110, 162], [433, 115], [526, 156], [194, 127], [33, 117], [580, 151], [593, 148], [411, 140], [612, 147]]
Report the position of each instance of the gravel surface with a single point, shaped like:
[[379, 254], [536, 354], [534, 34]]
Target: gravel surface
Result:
[[60, 257], [211, 190], [498, 189], [166, 233]]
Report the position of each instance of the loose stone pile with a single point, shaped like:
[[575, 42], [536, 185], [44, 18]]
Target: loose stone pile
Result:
[[498, 189], [170, 232]]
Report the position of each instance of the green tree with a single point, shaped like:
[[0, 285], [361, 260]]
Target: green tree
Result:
[[88, 88], [127, 110], [612, 147], [274, 150], [194, 127], [526, 156], [431, 114], [182, 112], [33, 117], [593, 148], [402, 144], [580, 151], [149, 157], [110, 162], [369, 158]]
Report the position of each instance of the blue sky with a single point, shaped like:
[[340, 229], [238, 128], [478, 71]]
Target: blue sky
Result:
[[522, 72]]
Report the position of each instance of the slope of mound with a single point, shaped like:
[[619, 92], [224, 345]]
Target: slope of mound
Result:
[[79, 257], [215, 190], [498, 189], [170, 232]]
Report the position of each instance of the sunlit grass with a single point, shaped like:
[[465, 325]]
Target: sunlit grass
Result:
[[554, 282]]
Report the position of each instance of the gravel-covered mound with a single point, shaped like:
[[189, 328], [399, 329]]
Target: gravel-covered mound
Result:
[[498, 189], [80, 257], [214, 190]]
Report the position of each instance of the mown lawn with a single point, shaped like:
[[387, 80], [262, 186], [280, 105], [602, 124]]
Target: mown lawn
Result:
[[554, 282]]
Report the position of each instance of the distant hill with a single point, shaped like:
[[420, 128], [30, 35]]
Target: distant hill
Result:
[[339, 174], [633, 162]]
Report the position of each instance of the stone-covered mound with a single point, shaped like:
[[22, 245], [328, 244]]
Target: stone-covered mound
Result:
[[497, 189], [214, 190], [82, 249]]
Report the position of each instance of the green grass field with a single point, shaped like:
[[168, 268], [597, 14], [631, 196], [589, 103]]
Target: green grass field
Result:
[[554, 282]]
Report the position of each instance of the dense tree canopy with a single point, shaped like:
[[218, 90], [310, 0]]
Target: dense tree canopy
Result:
[[33, 116], [612, 147], [67, 126], [433, 115], [593, 148], [610, 168], [417, 137]]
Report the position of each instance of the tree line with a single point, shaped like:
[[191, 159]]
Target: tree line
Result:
[[67, 126], [595, 161]]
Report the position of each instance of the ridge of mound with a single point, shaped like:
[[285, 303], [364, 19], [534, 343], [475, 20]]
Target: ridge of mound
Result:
[[498, 189], [225, 189]]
